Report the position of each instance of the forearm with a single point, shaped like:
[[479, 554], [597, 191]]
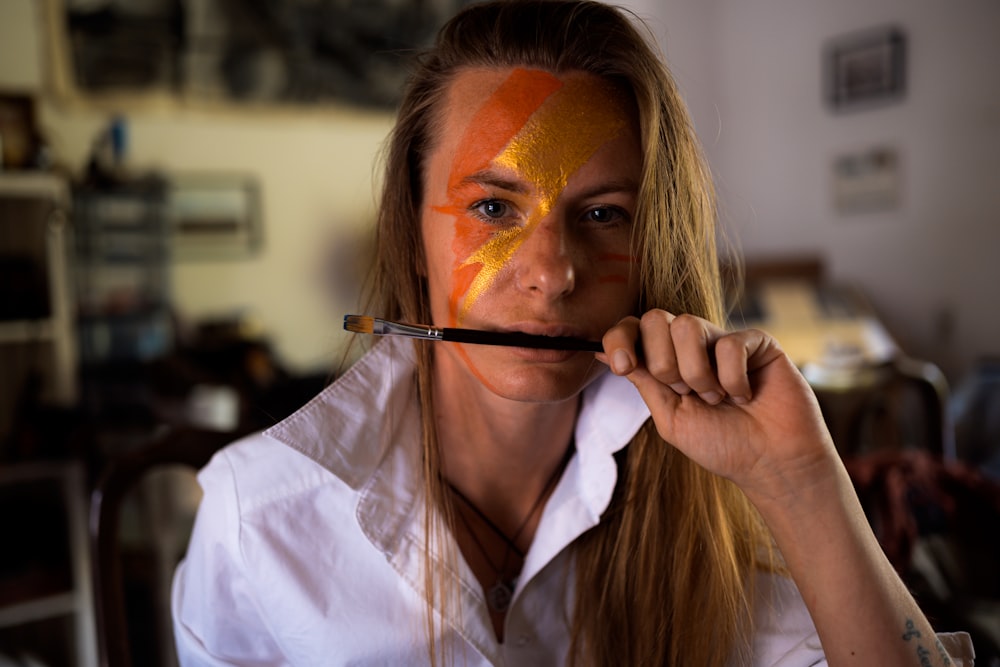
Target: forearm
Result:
[[861, 608], [769, 437]]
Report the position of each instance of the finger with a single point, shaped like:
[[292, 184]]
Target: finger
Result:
[[738, 355], [661, 399], [620, 342], [658, 350], [694, 343], [731, 354]]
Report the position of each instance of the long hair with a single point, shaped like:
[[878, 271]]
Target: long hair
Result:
[[666, 577]]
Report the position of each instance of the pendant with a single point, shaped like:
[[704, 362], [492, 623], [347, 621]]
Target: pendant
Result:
[[499, 596]]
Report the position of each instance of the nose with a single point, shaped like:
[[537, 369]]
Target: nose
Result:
[[545, 263]]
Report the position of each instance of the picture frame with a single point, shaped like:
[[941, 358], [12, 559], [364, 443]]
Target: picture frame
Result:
[[19, 137], [214, 216], [248, 52], [866, 69], [867, 180]]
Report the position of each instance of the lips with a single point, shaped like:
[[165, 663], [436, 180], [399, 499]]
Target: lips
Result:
[[542, 355], [543, 329]]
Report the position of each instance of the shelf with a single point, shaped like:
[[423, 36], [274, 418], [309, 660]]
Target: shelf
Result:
[[61, 604], [31, 184], [27, 331], [122, 260], [45, 584]]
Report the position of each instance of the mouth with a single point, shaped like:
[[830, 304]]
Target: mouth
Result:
[[549, 330], [567, 341]]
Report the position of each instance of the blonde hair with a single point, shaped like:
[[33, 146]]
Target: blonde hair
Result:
[[677, 544]]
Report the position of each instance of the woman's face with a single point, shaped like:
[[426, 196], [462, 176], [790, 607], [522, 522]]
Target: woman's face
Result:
[[528, 210]]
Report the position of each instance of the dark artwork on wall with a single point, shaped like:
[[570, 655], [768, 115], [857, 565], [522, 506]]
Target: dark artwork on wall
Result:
[[20, 139], [294, 51], [865, 69]]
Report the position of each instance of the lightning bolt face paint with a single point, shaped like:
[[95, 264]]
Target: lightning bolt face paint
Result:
[[547, 129], [532, 172]]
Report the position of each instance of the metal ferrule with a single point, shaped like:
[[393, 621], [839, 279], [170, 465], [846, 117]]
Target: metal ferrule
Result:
[[386, 328]]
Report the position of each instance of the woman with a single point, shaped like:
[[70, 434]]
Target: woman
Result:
[[466, 504]]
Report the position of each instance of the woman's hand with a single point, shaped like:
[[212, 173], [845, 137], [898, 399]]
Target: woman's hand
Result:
[[731, 401], [735, 404]]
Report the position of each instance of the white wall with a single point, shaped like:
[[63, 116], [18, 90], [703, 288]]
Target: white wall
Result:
[[932, 265], [20, 45]]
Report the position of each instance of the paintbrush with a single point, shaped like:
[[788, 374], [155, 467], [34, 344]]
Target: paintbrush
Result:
[[373, 325]]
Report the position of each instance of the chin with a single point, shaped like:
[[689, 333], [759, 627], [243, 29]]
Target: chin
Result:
[[541, 381]]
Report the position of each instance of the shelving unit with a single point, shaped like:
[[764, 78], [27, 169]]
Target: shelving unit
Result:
[[122, 254], [37, 333], [46, 600]]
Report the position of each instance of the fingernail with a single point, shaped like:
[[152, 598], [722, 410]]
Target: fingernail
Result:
[[680, 388], [740, 400], [711, 397], [620, 362]]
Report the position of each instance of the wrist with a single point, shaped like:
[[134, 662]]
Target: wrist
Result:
[[809, 483]]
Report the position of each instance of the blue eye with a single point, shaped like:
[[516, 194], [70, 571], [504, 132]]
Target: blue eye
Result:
[[492, 209]]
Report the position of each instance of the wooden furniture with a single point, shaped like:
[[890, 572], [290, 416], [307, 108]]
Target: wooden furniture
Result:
[[37, 338], [899, 404], [46, 605], [171, 446], [872, 394]]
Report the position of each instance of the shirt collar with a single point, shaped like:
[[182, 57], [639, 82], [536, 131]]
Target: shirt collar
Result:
[[351, 426]]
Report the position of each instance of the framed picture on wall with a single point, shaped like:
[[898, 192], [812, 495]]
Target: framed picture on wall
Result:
[[867, 180], [214, 216], [250, 51], [19, 139], [866, 69]]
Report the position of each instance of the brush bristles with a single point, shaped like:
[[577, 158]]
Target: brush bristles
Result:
[[359, 324]]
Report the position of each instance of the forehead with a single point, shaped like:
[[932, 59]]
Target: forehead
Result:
[[496, 102]]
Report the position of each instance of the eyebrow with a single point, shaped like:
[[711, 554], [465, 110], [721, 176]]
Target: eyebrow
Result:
[[493, 179], [627, 185]]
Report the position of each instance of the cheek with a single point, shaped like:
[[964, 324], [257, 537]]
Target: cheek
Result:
[[467, 239], [437, 239], [617, 268], [617, 277], [470, 236], [450, 238]]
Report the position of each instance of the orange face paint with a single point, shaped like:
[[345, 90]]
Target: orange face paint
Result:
[[542, 129], [615, 258]]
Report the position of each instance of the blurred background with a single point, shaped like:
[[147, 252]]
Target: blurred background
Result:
[[186, 199]]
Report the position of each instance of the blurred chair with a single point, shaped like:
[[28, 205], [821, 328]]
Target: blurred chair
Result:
[[170, 446], [975, 411], [901, 404], [934, 515]]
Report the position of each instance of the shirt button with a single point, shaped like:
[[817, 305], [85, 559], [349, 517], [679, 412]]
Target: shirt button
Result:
[[523, 640]]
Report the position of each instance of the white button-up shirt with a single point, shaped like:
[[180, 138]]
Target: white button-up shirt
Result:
[[308, 543]]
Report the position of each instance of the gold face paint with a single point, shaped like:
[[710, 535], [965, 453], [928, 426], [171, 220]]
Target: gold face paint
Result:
[[568, 127]]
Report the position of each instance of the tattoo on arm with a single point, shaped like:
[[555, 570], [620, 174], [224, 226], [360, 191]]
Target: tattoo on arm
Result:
[[922, 652], [945, 658], [911, 631]]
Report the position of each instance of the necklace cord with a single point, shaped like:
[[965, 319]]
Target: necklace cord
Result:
[[511, 542], [499, 596], [482, 515]]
